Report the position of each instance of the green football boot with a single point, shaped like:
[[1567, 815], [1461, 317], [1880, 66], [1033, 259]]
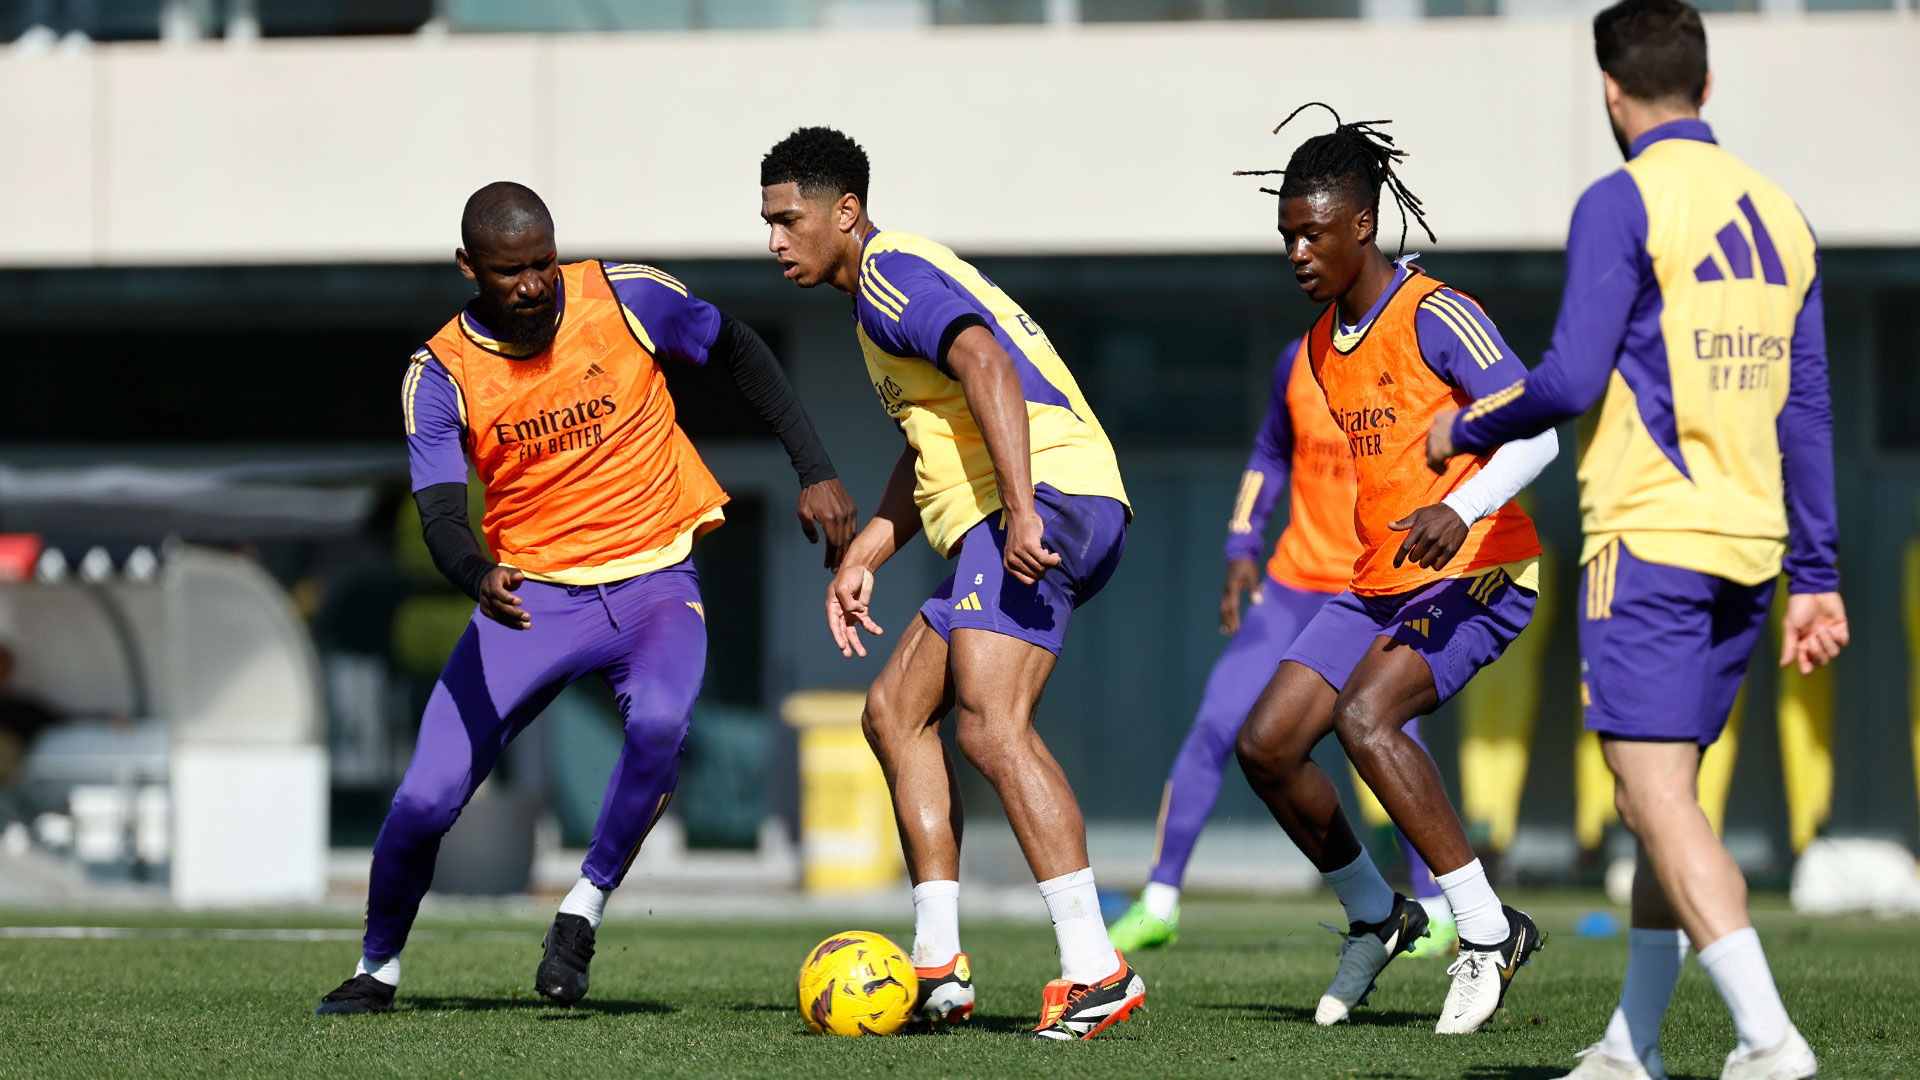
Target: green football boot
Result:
[[1443, 939], [1139, 929]]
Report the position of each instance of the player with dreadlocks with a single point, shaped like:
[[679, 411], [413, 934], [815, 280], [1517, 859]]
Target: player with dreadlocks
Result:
[[1446, 577]]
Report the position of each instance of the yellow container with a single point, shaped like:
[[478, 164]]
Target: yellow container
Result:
[[848, 841]]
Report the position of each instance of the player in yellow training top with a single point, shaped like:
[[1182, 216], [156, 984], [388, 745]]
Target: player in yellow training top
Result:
[[1012, 478], [1693, 313]]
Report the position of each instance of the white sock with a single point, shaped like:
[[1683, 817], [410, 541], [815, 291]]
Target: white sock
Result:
[[1362, 891], [587, 900], [1086, 953], [936, 923], [1437, 907], [1654, 959], [1160, 900], [1476, 910], [1739, 970], [387, 971]]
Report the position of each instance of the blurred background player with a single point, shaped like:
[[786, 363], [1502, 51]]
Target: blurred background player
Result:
[[1298, 445], [1011, 475], [1423, 612], [549, 381], [1693, 313]]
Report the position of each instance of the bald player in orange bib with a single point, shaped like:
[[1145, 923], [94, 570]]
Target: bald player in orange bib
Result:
[[1445, 580]]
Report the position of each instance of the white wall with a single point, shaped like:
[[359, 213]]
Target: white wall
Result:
[[995, 140]]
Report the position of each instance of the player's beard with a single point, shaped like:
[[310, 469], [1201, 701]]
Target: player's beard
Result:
[[527, 332], [1620, 139]]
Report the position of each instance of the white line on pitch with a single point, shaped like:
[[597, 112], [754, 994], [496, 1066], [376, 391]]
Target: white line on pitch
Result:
[[94, 933]]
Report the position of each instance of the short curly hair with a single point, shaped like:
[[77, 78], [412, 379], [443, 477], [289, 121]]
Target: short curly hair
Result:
[[821, 160]]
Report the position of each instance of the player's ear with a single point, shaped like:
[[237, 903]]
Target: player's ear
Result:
[[846, 212], [465, 264], [1364, 226]]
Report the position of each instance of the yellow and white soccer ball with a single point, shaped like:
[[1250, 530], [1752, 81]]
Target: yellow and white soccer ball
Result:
[[857, 983]]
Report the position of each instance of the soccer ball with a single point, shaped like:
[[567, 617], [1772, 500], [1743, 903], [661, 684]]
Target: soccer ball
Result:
[[857, 983]]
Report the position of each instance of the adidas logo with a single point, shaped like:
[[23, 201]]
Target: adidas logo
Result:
[[1739, 256], [1385, 380], [1420, 626], [594, 371], [971, 603]]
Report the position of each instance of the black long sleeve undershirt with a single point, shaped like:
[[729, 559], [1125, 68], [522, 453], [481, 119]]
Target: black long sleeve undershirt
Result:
[[751, 364], [450, 540]]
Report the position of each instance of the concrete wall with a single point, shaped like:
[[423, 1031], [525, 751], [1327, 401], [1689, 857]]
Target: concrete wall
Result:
[[1029, 140]]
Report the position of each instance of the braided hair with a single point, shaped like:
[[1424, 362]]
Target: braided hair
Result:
[[1356, 159]]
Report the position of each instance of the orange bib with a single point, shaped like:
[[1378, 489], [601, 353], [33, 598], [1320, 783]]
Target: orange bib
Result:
[[1318, 549], [583, 463], [1383, 398]]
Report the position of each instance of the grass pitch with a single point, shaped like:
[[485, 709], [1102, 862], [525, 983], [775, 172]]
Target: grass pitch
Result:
[[1234, 998]]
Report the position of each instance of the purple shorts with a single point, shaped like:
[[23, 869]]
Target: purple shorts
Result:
[[1663, 650], [1457, 625], [1088, 532]]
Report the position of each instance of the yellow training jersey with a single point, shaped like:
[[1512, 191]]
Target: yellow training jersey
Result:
[[914, 298]]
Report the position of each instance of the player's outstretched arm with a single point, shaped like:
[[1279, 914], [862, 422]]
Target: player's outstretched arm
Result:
[[999, 406], [824, 507], [1606, 270], [850, 595]]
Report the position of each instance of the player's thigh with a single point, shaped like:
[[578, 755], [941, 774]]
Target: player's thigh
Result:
[[1646, 649], [1392, 683], [1292, 714], [657, 674], [914, 689], [997, 682], [1652, 776]]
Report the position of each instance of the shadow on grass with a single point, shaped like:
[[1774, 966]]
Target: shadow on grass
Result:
[[1302, 1014], [559, 1012]]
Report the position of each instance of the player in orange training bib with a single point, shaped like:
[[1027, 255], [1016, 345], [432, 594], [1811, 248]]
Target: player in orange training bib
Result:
[[1444, 581]]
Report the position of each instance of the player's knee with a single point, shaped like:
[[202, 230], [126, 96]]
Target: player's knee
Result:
[[984, 743], [1362, 727], [1260, 757], [419, 813], [655, 732]]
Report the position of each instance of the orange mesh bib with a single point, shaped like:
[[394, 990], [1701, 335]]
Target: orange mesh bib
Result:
[[1383, 397], [578, 449], [1318, 549]]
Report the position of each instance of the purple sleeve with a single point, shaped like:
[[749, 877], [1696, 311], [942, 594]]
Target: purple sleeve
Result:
[[436, 428], [1271, 462], [909, 308], [1463, 347], [1607, 267], [1805, 429], [679, 324]]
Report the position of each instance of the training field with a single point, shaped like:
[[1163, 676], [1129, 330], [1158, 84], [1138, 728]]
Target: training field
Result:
[[1234, 998]]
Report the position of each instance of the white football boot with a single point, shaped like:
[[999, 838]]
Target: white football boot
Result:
[[1597, 1064], [1481, 975], [1791, 1060]]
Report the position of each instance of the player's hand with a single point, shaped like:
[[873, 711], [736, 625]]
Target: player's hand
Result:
[[1440, 440], [1027, 559], [828, 506], [847, 606], [1813, 630], [498, 601], [1434, 535], [1243, 575]]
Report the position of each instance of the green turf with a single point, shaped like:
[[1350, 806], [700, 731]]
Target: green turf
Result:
[[1234, 998]]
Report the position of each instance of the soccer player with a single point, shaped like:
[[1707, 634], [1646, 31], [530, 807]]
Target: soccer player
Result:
[[1445, 580], [1693, 313], [1012, 477], [549, 381], [1299, 450]]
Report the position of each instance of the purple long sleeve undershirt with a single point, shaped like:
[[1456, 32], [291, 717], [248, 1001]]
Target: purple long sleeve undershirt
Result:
[[1272, 458], [1609, 316]]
